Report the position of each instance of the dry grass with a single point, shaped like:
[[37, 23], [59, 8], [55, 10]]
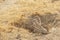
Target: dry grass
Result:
[[14, 14]]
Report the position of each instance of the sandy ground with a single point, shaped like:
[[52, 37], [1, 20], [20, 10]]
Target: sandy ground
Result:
[[12, 11]]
